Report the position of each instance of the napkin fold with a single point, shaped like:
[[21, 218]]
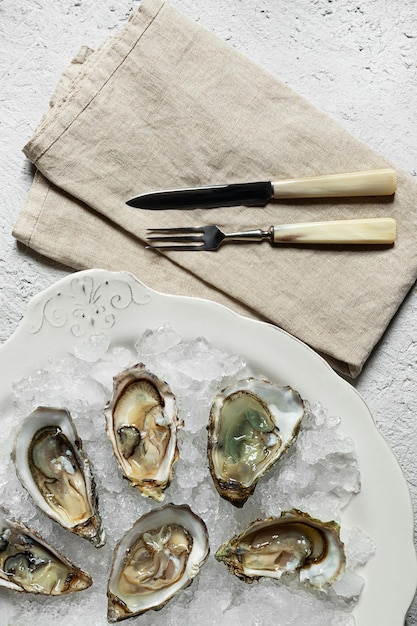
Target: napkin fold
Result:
[[165, 104]]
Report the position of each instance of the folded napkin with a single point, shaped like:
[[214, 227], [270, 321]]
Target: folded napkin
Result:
[[165, 104]]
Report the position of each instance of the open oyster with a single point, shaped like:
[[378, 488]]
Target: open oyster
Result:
[[294, 543], [28, 563], [252, 423], [158, 556], [142, 426], [51, 465]]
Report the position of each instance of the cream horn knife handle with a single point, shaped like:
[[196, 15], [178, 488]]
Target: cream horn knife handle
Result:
[[369, 183], [357, 231]]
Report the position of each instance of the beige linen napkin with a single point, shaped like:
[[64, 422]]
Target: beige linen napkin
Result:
[[166, 104]]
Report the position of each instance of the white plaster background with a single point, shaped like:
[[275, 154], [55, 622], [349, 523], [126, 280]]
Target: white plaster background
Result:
[[357, 61]]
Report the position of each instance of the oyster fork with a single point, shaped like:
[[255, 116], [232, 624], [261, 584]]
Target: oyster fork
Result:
[[354, 231]]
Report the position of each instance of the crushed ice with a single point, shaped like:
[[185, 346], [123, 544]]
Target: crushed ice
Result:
[[318, 475]]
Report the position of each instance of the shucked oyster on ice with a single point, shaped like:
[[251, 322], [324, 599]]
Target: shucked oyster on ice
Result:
[[52, 466], [294, 543], [142, 426], [252, 423], [158, 557], [28, 563]]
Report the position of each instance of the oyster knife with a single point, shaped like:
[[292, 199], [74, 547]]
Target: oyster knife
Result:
[[368, 183]]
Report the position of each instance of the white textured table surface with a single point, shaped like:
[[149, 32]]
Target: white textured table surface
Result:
[[357, 61]]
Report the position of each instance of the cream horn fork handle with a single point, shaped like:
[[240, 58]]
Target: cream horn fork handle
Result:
[[369, 183], [382, 230]]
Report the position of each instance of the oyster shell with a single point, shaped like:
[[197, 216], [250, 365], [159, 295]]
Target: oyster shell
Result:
[[28, 563], [52, 466], [252, 423], [294, 543], [158, 557], [142, 426]]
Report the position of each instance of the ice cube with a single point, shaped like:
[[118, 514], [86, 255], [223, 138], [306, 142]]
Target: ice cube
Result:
[[92, 348]]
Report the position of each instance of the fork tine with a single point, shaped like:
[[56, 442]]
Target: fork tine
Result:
[[180, 238], [185, 229], [192, 247]]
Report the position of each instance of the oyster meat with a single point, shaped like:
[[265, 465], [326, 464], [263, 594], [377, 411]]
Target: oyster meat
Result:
[[252, 423], [28, 563], [158, 557], [294, 543], [142, 426], [52, 466]]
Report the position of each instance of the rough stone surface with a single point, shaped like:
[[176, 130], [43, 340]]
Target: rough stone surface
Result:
[[357, 61]]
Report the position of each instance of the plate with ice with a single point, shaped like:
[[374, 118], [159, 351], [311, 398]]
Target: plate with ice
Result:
[[81, 332]]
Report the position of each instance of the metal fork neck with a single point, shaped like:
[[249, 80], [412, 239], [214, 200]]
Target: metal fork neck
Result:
[[250, 235]]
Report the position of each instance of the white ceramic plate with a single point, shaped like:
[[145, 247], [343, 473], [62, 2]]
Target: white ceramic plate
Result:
[[97, 301]]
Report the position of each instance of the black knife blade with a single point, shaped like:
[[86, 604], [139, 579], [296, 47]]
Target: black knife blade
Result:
[[247, 194]]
